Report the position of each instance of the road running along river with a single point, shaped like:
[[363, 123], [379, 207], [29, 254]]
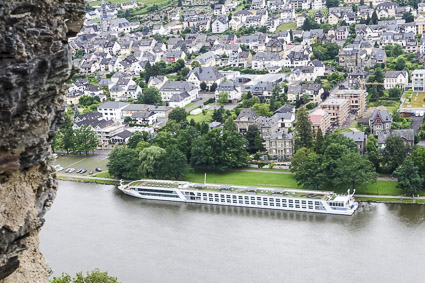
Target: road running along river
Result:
[[96, 226]]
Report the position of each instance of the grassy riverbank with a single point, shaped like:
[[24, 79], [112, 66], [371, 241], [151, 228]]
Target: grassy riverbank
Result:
[[268, 179], [259, 179], [87, 180]]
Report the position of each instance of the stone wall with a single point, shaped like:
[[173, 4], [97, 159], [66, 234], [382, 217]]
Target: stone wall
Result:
[[34, 63]]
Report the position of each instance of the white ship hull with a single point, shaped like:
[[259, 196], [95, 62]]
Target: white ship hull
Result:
[[288, 203]]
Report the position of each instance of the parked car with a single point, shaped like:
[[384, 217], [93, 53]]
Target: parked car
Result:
[[71, 170], [90, 172], [58, 168], [98, 170], [83, 171], [79, 170]]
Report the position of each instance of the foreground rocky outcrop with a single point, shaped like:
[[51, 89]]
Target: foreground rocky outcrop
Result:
[[34, 63]]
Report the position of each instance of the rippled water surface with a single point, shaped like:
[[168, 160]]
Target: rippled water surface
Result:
[[96, 226]]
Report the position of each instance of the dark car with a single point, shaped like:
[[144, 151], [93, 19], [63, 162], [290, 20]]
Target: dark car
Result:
[[83, 171], [98, 169]]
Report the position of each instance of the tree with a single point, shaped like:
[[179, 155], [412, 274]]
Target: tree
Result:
[[86, 100], [353, 171], [395, 93], [303, 132], [319, 141], [309, 24], [203, 86], [325, 51], [418, 157], [124, 163], [252, 136], [400, 65], [174, 164], [137, 137], [262, 109], [223, 97], [339, 139], [195, 64], [219, 149], [299, 158], [151, 161], [374, 17], [141, 145], [85, 140], [394, 153], [408, 17], [396, 50], [92, 277], [151, 96], [213, 87], [218, 114], [178, 114], [332, 3], [230, 125], [408, 177], [310, 174], [179, 3]]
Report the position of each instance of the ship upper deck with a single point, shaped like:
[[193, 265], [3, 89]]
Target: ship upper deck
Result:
[[246, 190]]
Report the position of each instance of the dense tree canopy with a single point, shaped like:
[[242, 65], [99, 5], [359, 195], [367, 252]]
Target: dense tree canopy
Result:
[[178, 114], [409, 178], [219, 149], [124, 163], [325, 51], [340, 166]]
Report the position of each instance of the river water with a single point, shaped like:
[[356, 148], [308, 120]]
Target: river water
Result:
[[96, 226]]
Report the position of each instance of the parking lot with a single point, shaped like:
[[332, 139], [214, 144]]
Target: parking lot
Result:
[[82, 163]]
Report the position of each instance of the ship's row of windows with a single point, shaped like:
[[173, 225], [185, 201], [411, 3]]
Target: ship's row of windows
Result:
[[263, 201], [157, 191], [159, 195]]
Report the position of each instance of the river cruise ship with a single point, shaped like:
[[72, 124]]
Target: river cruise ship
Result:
[[254, 197]]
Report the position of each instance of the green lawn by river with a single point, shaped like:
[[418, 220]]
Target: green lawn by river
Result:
[[282, 181]]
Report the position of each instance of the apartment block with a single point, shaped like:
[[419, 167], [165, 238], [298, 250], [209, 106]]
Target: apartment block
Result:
[[337, 108]]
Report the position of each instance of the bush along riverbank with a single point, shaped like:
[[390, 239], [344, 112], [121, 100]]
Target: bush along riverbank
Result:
[[370, 198]]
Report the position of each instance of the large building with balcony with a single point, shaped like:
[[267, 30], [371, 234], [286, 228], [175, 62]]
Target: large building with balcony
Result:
[[356, 98], [418, 83], [337, 108]]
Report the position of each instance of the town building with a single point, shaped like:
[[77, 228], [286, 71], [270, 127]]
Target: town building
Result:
[[320, 119], [359, 138], [380, 121], [418, 83], [338, 110], [356, 98], [246, 118], [112, 110], [280, 145], [398, 79]]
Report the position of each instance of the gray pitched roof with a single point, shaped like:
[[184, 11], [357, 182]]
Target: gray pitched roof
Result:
[[382, 113], [408, 135], [206, 74], [356, 136], [113, 104]]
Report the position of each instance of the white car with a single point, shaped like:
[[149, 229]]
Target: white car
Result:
[[70, 170], [58, 168]]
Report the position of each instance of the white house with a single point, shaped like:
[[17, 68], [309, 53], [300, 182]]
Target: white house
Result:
[[170, 88], [208, 75], [232, 88], [112, 110], [396, 79], [220, 25]]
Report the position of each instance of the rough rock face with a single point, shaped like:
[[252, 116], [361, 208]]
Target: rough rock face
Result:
[[34, 63]]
